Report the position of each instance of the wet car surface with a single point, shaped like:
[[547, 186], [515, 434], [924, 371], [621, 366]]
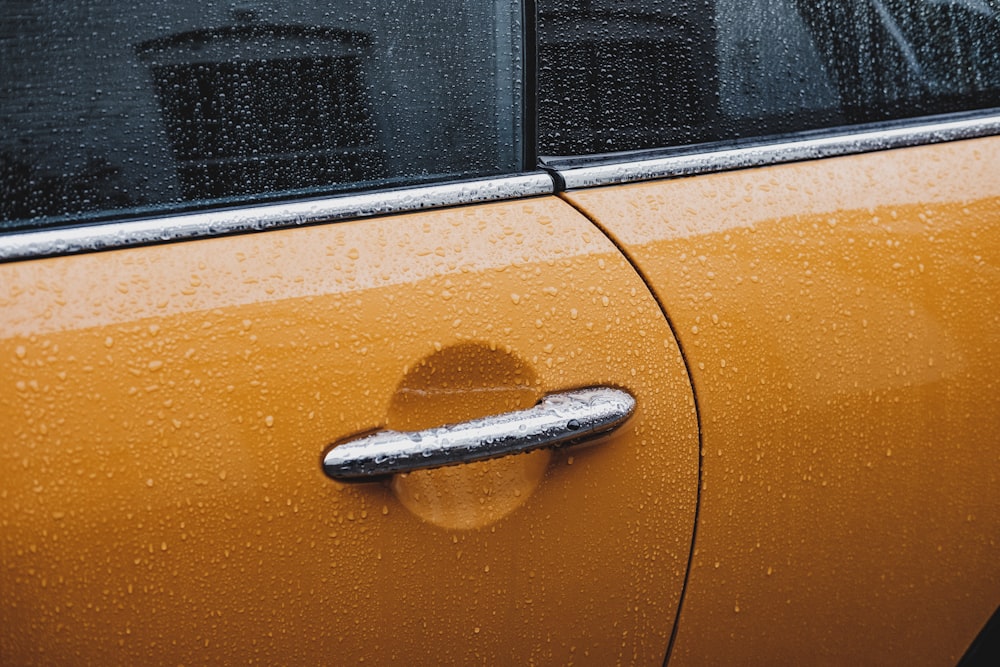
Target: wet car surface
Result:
[[237, 239]]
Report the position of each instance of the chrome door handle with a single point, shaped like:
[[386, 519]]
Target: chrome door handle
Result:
[[566, 418]]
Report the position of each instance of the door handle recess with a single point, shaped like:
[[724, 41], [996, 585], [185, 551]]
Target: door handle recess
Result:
[[558, 420]]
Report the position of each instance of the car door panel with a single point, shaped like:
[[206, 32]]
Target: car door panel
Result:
[[167, 409], [840, 319]]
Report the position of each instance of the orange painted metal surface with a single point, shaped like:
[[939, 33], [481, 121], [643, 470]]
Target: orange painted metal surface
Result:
[[165, 410], [841, 319]]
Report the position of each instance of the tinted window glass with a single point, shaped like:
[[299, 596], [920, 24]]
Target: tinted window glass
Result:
[[617, 75], [114, 108], [624, 74]]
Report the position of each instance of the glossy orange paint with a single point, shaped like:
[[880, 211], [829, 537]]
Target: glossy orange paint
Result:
[[841, 319], [166, 409]]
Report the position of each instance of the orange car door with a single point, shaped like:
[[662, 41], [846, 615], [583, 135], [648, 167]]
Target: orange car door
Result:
[[166, 411]]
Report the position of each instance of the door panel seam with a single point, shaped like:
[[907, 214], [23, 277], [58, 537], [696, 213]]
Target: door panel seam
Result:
[[560, 192]]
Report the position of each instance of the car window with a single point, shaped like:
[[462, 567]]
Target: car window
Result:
[[618, 75], [114, 108]]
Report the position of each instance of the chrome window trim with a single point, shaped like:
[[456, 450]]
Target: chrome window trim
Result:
[[631, 168], [49, 242], [612, 170]]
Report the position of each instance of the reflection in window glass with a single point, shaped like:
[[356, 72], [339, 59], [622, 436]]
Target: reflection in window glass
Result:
[[227, 120], [909, 57], [634, 74], [114, 108]]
